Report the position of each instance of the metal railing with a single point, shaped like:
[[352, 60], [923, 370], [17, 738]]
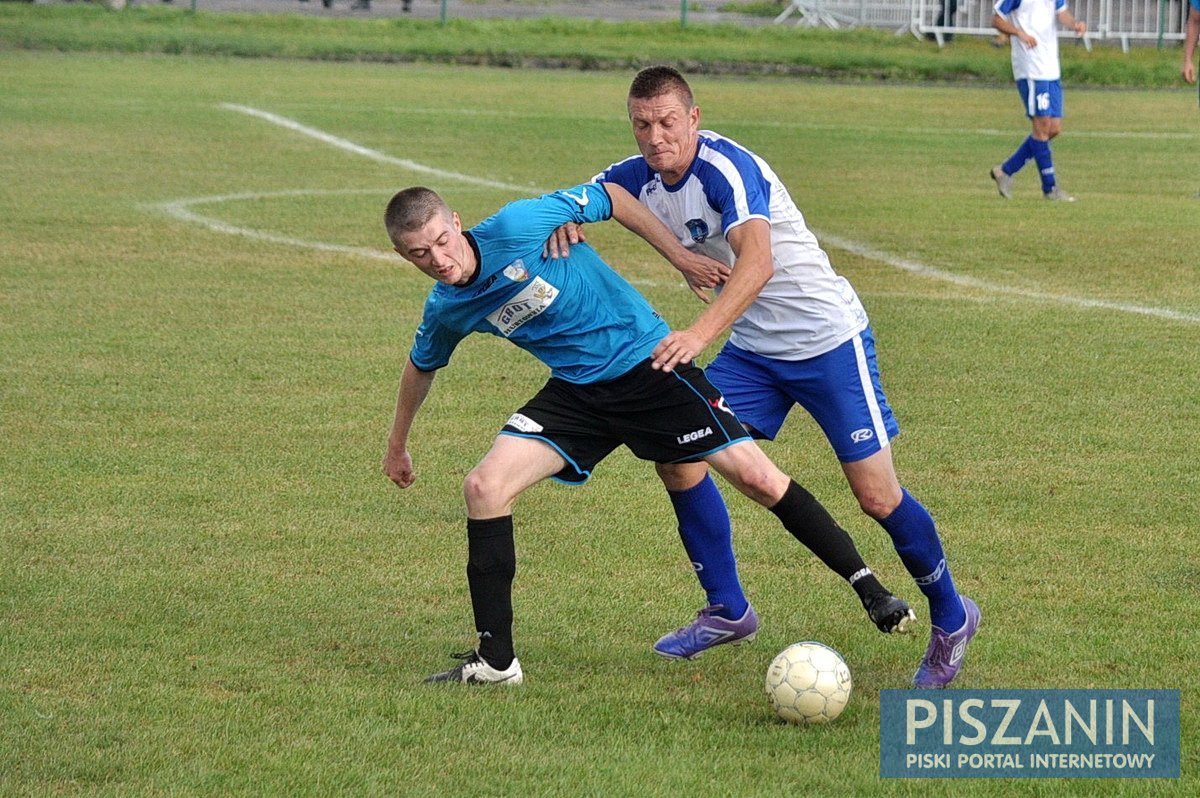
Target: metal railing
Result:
[[1126, 21]]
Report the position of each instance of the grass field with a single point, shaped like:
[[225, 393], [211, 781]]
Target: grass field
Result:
[[207, 586]]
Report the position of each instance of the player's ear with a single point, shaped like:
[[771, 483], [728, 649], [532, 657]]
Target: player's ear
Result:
[[457, 221]]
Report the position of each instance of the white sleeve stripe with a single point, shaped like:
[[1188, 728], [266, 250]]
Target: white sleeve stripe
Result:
[[731, 174], [740, 222]]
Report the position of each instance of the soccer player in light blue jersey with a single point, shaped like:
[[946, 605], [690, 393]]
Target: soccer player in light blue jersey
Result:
[[596, 333], [799, 334], [1032, 26]]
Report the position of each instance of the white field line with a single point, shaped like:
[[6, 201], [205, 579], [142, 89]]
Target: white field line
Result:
[[181, 209], [916, 267], [375, 155]]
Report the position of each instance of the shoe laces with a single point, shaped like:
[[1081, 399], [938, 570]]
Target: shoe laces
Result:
[[939, 650], [702, 614]]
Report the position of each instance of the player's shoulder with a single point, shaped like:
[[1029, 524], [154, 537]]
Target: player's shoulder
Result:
[[631, 171], [724, 160], [716, 144]]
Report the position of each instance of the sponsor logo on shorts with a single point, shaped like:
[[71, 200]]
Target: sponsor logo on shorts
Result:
[[719, 404], [697, 229], [695, 435], [523, 423], [516, 271], [528, 303], [860, 435]]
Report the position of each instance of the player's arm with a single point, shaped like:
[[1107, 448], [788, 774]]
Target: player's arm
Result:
[[752, 268], [1067, 19], [414, 387], [699, 270], [1003, 24], [1189, 45]]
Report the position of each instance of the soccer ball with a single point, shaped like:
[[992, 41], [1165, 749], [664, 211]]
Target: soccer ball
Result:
[[808, 683]]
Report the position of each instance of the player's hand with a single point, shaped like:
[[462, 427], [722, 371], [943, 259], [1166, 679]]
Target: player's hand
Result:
[[697, 289], [397, 464], [678, 347], [701, 271], [1189, 71], [1029, 41], [558, 245], [1080, 27]]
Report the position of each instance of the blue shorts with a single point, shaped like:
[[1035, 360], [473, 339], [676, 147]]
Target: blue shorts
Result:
[[840, 389], [1041, 97]]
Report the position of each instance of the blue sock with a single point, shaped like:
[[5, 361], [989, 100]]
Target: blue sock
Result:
[[916, 540], [1041, 154], [708, 538], [1018, 158]]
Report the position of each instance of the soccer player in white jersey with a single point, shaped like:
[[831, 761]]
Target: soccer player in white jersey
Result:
[[799, 335], [1032, 26]]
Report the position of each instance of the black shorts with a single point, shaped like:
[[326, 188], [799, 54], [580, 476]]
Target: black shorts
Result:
[[665, 417]]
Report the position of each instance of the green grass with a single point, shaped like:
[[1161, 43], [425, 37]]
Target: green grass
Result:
[[207, 586], [860, 55]]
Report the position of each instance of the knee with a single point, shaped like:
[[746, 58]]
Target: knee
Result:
[[878, 503], [763, 485], [485, 495]]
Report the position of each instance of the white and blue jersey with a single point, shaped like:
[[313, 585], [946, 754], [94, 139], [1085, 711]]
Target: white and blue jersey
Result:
[[1038, 18], [574, 314], [805, 339], [805, 309]]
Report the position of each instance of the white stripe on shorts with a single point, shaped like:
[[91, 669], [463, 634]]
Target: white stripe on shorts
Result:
[[868, 389]]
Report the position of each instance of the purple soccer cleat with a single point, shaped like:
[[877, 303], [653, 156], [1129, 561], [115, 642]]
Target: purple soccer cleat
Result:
[[708, 630], [944, 657]]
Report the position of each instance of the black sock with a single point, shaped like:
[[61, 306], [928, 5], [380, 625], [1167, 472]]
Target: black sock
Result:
[[491, 565], [811, 524]]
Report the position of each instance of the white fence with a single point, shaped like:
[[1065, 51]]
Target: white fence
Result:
[[893, 14], [1126, 21]]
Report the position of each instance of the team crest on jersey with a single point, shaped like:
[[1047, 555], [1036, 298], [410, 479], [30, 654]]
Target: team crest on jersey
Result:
[[516, 271], [528, 303], [698, 230]]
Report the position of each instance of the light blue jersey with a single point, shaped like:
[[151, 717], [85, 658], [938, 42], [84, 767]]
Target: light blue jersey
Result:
[[574, 314]]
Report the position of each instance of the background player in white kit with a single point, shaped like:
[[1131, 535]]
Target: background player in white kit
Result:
[[800, 334], [1032, 26]]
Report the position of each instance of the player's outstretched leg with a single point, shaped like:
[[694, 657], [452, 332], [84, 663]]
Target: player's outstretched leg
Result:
[[944, 657], [750, 471], [811, 524]]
